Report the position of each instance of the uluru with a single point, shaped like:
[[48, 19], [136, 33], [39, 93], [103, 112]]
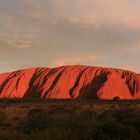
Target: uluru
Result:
[[70, 82]]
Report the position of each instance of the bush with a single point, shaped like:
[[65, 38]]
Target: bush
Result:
[[118, 124], [36, 120], [116, 98], [129, 116], [2, 117]]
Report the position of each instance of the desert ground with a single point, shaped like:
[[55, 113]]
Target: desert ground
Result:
[[25, 119]]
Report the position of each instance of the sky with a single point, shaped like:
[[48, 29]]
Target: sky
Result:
[[51, 33]]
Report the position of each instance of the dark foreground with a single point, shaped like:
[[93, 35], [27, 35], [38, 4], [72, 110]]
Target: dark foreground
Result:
[[69, 120]]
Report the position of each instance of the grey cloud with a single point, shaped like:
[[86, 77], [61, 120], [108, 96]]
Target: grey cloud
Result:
[[37, 33]]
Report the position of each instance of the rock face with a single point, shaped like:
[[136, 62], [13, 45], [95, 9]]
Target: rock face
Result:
[[70, 82]]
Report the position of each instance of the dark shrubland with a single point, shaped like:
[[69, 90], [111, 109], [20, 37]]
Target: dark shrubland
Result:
[[70, 120]]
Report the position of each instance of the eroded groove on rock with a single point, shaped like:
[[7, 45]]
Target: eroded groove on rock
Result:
[[77, 82], [55, 81]]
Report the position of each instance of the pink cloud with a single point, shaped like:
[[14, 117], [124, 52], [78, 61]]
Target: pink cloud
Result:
[[83, 59]]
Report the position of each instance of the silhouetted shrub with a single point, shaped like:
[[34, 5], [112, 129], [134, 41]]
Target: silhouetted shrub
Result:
[[115, 131], [36, 120], [116, 98], [118, 124], [2, 117], [129, 116]]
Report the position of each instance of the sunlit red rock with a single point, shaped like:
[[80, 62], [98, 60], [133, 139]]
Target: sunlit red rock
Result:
[[70, 82]]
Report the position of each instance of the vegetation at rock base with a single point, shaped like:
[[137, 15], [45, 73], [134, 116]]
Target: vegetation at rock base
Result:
[[69, 120]]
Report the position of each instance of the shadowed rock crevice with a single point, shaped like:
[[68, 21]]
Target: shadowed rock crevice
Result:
[[92, 89], [131, 81], [17, 83], [6, 81], [76, 83], [49, 74], [55, 81], [32, 91]]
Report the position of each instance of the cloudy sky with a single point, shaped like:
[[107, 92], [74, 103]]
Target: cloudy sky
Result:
[[52, 33]]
